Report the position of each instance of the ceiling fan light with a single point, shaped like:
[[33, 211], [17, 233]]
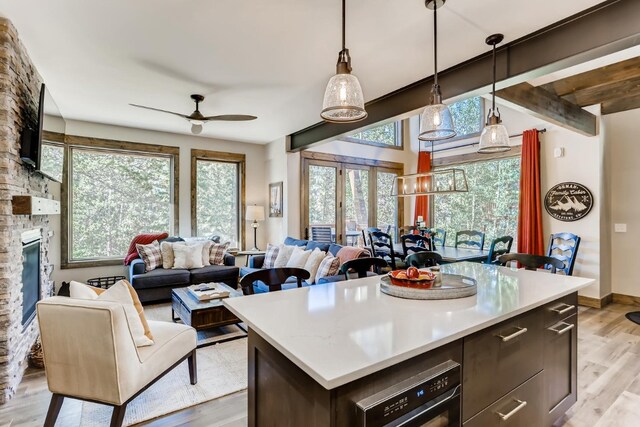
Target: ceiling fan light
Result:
[[196, 129], [494, 139], [436, 123], [343, 100], [196, 122]]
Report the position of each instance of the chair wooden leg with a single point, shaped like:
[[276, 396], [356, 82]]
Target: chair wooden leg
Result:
[[54, 410], [193, 367], [117, 417]]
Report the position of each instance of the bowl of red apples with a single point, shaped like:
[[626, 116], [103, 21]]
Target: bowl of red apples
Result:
[[412, 278]]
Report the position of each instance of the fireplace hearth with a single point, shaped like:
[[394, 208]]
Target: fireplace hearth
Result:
[[31, 292]]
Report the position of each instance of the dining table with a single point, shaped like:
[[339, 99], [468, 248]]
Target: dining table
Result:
[[451, 254]]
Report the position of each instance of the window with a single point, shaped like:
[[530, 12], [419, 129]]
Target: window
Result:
[[52, 160], [115, 194], [217, 195], [491, 205], [387, 135], [468, 117]]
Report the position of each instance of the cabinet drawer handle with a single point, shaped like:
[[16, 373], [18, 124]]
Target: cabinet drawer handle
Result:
[[521, 404], [567, 328], [517, 333], [567, 308]]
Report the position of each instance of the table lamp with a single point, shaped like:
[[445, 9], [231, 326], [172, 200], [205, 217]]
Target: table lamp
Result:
[[255, 214]]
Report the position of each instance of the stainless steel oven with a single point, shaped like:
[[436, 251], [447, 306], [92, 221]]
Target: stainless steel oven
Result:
[[431, 399]]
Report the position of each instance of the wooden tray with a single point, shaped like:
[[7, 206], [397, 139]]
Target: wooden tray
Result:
[[452, 286]]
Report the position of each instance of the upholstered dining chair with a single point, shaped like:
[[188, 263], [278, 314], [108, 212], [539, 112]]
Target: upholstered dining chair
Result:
[[90, 354], [532, 262]]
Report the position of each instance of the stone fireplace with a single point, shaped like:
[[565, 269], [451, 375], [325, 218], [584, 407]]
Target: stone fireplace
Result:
[[19, 91]]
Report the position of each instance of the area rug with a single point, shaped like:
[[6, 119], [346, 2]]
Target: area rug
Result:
[[222, 370]]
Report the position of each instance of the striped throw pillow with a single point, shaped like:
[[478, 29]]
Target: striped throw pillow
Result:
[[216, 253], [329, 266], [150, 254], [270, 256]]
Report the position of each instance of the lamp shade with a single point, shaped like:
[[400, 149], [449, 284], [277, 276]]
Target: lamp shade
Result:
[[494, 139], [343, 100], [436, 123], [255, 213]]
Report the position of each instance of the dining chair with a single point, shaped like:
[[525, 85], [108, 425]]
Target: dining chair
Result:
[[532, 262], [361, 266], [467, 238], [273, 278], [415, 243], [440, 237], [382, 247], [424, 259], [499, 246], [321, 234], [564, 246]]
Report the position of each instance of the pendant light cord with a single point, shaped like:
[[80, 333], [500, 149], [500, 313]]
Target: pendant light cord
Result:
[[435, 43], [493, 92], [344, 20]]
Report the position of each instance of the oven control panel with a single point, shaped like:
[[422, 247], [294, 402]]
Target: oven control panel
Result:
[[392, 403]]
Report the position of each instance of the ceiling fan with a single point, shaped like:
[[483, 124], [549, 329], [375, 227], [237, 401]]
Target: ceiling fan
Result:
[[197, 119]]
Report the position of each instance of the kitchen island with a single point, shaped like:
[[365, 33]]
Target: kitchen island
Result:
[[316, 354]]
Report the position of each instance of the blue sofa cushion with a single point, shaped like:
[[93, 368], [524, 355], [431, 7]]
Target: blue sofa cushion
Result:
[[333, 248], [161, 277], [290, 241], [213, 273], [260, 288], [324, 247]]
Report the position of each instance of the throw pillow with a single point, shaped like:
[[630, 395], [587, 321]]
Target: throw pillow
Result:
[[168, 258], [270, 256], [312, 264], [187, 256], [216, 253], [284, 253], [143, 239], [329, 266], [298, 258], [151, 255], [123, 293]]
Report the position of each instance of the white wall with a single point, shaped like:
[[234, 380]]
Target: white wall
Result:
[[256, 191]]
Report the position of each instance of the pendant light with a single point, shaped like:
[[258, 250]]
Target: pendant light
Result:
[[436, 123], [494, 137], [343, 98]]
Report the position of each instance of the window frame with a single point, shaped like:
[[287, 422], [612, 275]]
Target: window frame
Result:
[[481, 121], [399, 127], [224, 157], [114, 146]]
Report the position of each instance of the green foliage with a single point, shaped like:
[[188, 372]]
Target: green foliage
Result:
[[322, 195], [217, 209], [51, 159], [491, 205], [357, 198], [115, 196], [383, 134], [467, 116], [387, 205]]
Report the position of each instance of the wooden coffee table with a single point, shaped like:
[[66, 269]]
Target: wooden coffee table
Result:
[[213, 321]]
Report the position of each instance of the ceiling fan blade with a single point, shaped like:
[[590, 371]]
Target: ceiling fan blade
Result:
[[161, 111], [231, 118]]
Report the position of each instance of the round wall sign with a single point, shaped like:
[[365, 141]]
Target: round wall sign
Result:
[[568, 201]]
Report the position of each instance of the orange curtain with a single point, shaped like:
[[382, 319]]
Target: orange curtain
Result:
[[422, 202], [530, 237]]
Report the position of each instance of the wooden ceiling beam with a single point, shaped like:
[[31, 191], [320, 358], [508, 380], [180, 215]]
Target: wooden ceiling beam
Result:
[[605, 92], [629, 102], [550, 107]]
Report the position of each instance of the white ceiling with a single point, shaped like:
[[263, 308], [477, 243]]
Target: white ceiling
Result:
[[267, 58]]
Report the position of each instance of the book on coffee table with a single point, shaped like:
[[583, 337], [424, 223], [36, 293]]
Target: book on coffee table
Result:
[[208, 291]]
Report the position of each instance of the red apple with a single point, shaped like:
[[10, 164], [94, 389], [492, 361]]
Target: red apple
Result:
[[413, 273]]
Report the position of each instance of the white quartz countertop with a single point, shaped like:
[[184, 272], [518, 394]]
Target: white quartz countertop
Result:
[[340, 332]]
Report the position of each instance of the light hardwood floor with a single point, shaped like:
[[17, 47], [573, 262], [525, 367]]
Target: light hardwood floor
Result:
[[608, 384]]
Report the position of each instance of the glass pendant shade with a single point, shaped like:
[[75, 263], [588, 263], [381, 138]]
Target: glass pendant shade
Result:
[[436, 123], [494, 139], [343, 100]]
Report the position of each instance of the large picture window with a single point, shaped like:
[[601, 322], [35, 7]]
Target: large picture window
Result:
[[113, 195], [387, 135], [217, 195], [491, 205]]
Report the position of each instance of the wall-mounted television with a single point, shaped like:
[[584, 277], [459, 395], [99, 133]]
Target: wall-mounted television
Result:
[[31, 138]]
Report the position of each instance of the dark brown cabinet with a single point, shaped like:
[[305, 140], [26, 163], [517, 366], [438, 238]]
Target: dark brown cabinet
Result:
[[560, 370]]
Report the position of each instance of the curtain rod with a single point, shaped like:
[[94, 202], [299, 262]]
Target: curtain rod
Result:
[[469, 144]]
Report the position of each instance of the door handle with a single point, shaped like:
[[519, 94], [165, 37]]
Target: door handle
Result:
[[511, 413], [517, 333], [563, 308], [567, 328]]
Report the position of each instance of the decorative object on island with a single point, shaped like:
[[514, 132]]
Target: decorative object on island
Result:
[[343, 98], [568, 201], [197, 119], [494, 137], [255, 213], [436, 123], [275, 200]]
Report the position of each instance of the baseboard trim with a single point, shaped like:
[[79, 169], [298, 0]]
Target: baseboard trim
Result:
[[597, 302], [626, 299]]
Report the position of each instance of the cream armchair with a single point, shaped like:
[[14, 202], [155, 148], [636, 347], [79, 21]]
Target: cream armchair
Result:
[[89, 354]]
